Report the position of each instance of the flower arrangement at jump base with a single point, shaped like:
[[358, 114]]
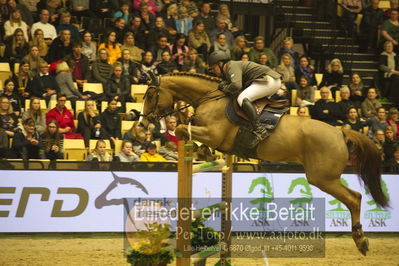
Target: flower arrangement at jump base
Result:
[[150, 247]]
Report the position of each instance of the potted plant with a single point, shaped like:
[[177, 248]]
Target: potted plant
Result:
[[149, 247], [203, 237]]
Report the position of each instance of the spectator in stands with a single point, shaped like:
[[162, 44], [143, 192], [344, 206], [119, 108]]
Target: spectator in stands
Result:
[[123, 12], [302, 111], [8, 120], [65, 83], [198, 38], [145, 67], [239, 48], [191, 7], [305, 69], [179, 50], [129, 44], [221, 27], [25, 13], [44, 85], [100, 154], [14, 23], [53, 142], [147, 18], [54, 8], [193, 63], [34, 60], [65, 24], [132, 134], [126, 155], [370, 104], [183, 113], [351, 9], [16, 48], [263, 60], [206, 18], [119, 29], [333, 76], [221, 45], [372, 19], [225, 12], [101, 69], [60, 47], [169, 16], [9, 86], [169, 151], [357, 89], [110, 44], [79, 64], [140, 143], [394, 5], [81, 8], [111, 122], [389, 67], [48, 30], [166, 65], [288, 44], [151, 6], [259, 47], [118, 86], [171, 123], [130, 68], [389, 143], [88, 47], [392, 120], [392, 165], [379, 139], [35, 112], [102, 8], [245, 57], [89, 123], [184, 23], [345, 103], [5, 11], [305, 93], [390, 29], [151, 154], [39, 42], [324, 108], [22, 78], [139, 31], [161, 46], [64, 118], [26, 142], [353, 120], [287, 72], [377, 122]]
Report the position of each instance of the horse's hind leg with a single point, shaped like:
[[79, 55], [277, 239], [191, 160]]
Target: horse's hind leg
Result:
[[350, 198]]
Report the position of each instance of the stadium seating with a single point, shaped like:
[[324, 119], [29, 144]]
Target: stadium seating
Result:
[[5, 71], [74, 149], [43, 105], [93, 87], [126, 126], [80, 107], [137, 91]]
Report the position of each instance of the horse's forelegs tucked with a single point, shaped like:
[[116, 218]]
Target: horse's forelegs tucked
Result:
[[198, 133]]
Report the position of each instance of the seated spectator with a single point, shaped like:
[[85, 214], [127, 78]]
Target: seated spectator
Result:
[[54, 8], [184, 23], [379, 139], [151, 154], [169, 15], [111, 122], [16, 48], [161, 46], [239, 48], [179, 50], [207, 19], [101, 69], [118, 86], [139, 32], [100, 154], [89, 123], [166, 65], [169, 151], [259, 47], [389, 143], [263, 60], [44, 85], [324, 108], [183, 113], [64, 118], [60, 47], [79, 64], [39, 42], [36, 113], [53, 142], [130, 68], [22, 78], [88, 47], [26, 14], [145, 67], [151, 6], [220, 44], [65, 83], [392, 165], [15, 22], [34, 60], [119, 28], [394, 5], [198, 38], [288, 44], [287, 72], [390, 29], [357, 89], [333, 77], [302, 112], [26, 142], [191, 7], [112, 47], [193, 63], [132, 134], [171, 123], [65, 24], [344, 104], [377, 122], [9, 86], [81, 8], [221, 27], [389, 67], [245, 57], [353, 120], [140, 143], [370, 104], [129, 44], [305, 69], [48, 30], [126, 155], [305, 93], [8, 120], [373, 17], [351, 9], [225, 12], [155, 33], [123, 12], [392, 120]]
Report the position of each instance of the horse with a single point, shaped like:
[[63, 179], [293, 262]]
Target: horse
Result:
[[323, 150]]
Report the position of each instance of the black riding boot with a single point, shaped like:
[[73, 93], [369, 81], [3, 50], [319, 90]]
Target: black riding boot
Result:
[[258, 128]]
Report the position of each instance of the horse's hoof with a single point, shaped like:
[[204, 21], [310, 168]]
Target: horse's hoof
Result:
[[364, 246]]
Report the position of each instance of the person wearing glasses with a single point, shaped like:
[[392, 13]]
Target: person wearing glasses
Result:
[[27, 142]]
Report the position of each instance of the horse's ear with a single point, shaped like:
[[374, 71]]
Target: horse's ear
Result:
[[154, 79]]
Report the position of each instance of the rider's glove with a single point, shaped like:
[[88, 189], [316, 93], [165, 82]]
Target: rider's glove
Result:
[[222, 85]]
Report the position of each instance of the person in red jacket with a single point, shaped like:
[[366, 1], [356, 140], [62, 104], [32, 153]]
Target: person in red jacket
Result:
[[64, 117], [171, 123]]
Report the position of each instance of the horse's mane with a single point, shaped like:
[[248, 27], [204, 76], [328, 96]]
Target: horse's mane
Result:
[[196, 75]]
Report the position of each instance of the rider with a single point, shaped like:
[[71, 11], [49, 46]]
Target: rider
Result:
[[249, 80]]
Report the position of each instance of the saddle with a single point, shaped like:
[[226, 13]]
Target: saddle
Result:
[[269, 105]]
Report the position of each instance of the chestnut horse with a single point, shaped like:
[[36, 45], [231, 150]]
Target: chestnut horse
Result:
[[321, 148]]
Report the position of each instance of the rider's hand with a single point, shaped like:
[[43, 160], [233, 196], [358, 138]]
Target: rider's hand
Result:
[[222, 85]]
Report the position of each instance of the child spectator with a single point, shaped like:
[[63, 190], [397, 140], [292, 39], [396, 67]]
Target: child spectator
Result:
[[111, 122], [89, 124], [126, 155], [389, 144], [357, 90], [100, 154], [35, 112], [377, 122], [8, 92], [53, 142], [302, 112], [26, 143], [169, 151], [353, 120], [151, 154], [140, 143]]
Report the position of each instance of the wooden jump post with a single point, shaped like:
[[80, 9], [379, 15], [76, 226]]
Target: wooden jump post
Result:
[[185, 183]]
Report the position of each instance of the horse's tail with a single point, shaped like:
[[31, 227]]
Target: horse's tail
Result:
[[367, 163]]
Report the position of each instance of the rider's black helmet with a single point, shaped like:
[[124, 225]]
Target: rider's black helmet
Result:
[[218, 56]]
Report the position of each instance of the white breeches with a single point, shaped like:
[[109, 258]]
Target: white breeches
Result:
[[260, 89]]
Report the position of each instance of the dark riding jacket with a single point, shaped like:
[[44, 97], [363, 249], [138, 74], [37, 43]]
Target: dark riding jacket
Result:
[[239, 75]]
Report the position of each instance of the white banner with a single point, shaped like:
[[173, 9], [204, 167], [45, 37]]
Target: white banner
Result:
[[73, 201]]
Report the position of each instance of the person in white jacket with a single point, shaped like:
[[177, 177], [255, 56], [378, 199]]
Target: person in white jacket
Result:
[[14, 23]]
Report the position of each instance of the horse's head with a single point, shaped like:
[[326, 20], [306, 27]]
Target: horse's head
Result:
[[157, 103]]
